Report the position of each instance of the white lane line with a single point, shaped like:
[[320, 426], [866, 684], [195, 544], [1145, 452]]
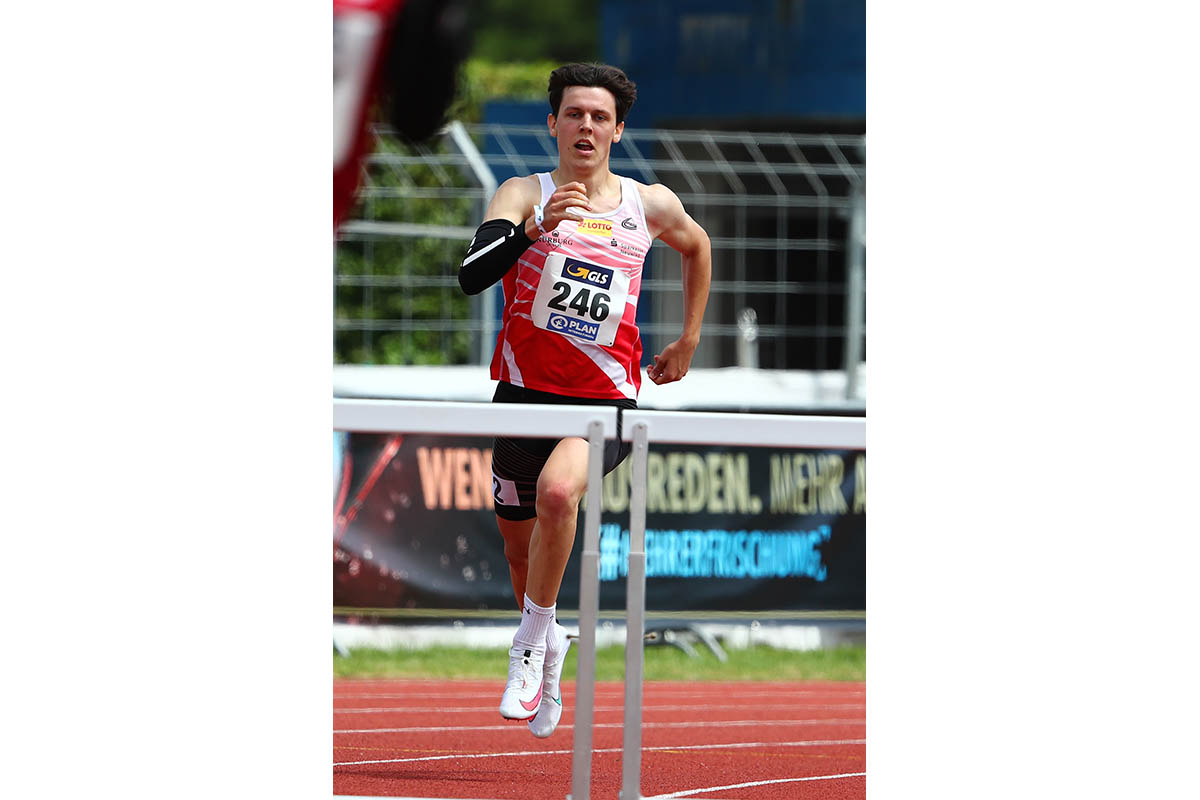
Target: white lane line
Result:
[[460, 755], [735, 723], [754, 783], [733, 746], [477, 709]]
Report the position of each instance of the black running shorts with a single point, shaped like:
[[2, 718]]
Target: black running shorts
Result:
[[517, 462]]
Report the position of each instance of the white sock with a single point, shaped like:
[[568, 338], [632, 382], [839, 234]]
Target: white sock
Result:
[[535, 622], [553, 635]]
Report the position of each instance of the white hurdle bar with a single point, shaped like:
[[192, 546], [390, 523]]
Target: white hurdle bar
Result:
[[470, 419], [597, 423]]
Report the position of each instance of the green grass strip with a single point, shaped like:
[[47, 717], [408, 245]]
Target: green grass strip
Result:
[[515, 614], [663, 663]]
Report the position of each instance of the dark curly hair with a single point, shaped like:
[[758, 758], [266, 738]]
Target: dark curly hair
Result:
[[602, 75]]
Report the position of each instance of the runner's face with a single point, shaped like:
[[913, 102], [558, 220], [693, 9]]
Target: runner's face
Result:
[[586, 126]]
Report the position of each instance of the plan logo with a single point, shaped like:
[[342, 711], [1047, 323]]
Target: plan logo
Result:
[[574, 327], [587, 273]]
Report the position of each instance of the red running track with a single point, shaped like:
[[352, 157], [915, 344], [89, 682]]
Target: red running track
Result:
[[712, 741]]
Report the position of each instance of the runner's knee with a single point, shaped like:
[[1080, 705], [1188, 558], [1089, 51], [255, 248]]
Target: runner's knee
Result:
[[557, 498]]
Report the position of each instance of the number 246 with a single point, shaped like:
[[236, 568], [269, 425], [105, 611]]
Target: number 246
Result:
[[598, 309]]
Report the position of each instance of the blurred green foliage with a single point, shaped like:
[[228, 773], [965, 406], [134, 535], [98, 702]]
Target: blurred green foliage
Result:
[[535, 30], [481, 80], [402, 281]]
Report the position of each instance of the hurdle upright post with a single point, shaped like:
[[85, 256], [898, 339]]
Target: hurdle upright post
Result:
[[635, 620], [589, 611]]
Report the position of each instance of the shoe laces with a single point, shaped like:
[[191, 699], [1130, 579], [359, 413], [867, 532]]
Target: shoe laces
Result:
[[522, 676]]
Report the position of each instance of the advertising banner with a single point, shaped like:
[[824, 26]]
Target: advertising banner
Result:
[[728, 528]]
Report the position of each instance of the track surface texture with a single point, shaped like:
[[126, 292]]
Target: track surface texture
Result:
[[719, 741]]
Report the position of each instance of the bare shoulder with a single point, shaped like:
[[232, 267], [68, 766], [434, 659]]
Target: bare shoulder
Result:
[[524, 184], [515, 198], [657, 197], [663, 208]]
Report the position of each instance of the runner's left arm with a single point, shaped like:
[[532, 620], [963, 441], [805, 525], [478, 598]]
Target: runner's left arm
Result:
[[683, 234]]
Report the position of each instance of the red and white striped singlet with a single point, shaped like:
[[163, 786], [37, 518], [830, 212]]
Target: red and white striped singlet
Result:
[[561, 330]]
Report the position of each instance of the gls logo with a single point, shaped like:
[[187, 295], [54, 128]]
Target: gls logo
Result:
[[587, 273]]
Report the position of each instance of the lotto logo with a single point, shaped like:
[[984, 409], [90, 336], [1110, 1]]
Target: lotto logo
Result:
[[587, 273], [574, 327], [596, 227]]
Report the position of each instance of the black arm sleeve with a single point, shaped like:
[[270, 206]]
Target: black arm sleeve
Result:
[[496, 247]]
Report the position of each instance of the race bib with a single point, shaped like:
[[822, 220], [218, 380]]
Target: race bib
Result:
[[581, 300]]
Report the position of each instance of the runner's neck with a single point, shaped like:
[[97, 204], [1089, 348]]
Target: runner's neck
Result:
[[601, 184]]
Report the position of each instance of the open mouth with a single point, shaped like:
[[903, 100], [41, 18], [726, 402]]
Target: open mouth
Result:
[[584, 147]]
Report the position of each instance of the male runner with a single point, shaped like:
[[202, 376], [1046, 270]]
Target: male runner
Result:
[[569, 246]]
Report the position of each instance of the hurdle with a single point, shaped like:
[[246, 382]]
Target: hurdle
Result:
[[673, 427], [595, 424]]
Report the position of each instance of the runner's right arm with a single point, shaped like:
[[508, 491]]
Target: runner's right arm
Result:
[[510, 227]]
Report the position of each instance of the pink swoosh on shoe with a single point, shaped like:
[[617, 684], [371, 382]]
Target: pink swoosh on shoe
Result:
[[537, 699]]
